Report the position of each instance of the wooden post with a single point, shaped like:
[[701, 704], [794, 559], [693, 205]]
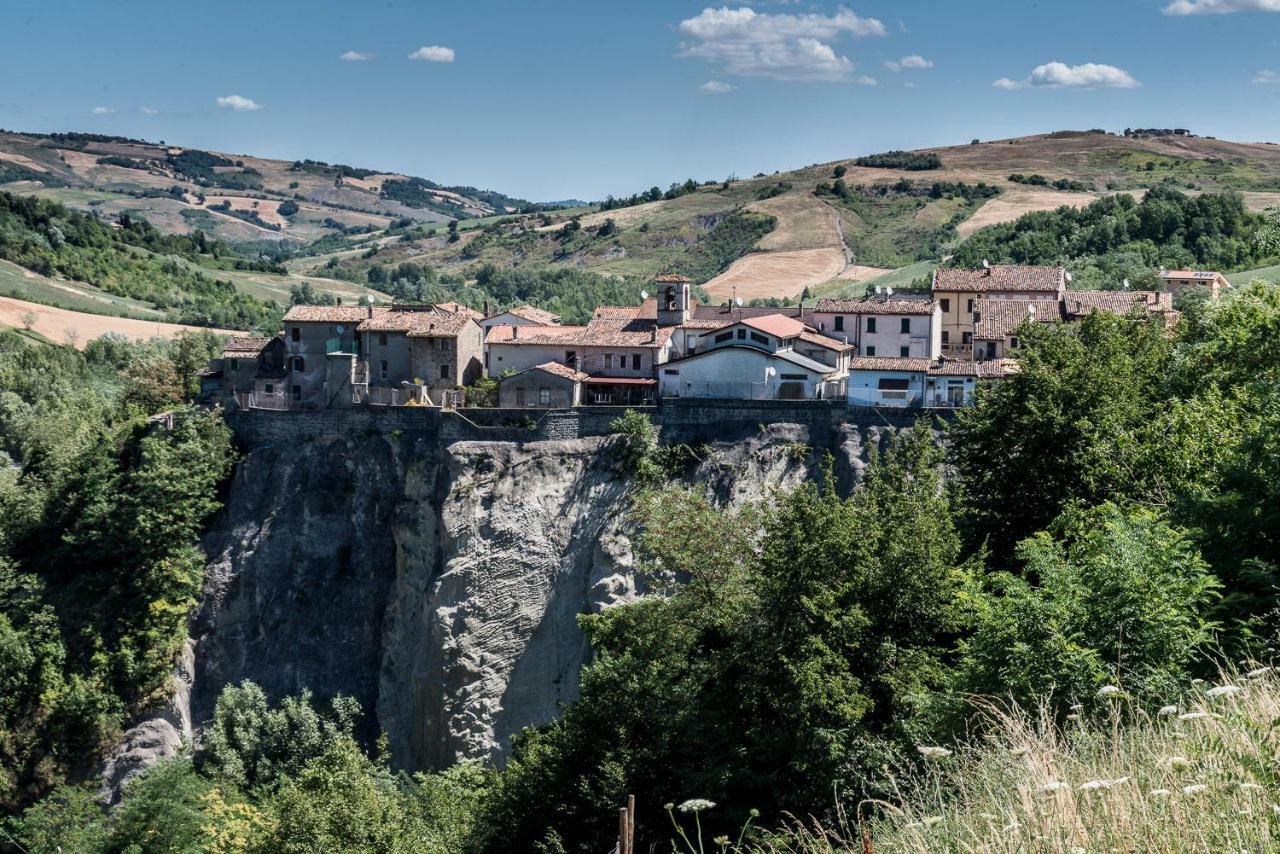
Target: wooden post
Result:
[[631, 824], [622, 830]]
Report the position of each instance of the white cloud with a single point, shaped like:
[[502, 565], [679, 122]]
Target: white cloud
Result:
[[103, 111], [239, 103], [1266, 75], [356, 56], [1058, 75], [716, 87], [782, 46], [433, 53], [149, 111], [1220, 7], [913, 61], [866, 80]]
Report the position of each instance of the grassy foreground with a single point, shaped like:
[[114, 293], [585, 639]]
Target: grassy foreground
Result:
[[1203, 775]]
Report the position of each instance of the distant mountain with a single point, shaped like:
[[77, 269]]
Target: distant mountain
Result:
[[238, 198]]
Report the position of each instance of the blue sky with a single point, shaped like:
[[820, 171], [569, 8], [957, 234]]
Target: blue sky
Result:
[[549, 99]]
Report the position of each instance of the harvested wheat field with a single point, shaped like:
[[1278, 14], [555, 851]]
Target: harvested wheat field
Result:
[[1012, 204], [804, 222], [78, 329], [777, 274]]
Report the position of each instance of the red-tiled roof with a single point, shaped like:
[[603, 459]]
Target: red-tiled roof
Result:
[[735, 314], [875, 305], [535, 315], [417, 321], [775, 324], [672, 279], [811, 337], [999, 278], [242, 346], [561, 371], [888, 363], [459, 308], [505, 334], [996, 318], [1079, 303], [1189, 274], [610, 326], [326, 313]]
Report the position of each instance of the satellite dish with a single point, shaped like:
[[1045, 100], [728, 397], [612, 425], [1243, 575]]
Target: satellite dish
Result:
[[986, 265], [368, 298], [1031, 310], [1067, 276], [770, 371], [644, 295], [1126, 284], [888, 290], [738, 301], [877, 289]]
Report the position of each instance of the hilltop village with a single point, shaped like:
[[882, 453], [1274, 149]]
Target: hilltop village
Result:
[[913, 349]]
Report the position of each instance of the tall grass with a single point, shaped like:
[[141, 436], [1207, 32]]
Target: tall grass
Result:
[[1202, 776]]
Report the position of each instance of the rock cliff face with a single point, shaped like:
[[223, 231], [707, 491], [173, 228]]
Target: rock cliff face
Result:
[[438, 585]]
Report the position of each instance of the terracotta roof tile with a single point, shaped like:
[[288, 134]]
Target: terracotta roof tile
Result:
[[326, 313], [1080, 303], [775, 324], [874, 305], [417, 321], [888, 363], [535, 315], [994, 319], [241, 346], [672, 279], [1000, 278], [561, 371], [811, 337]]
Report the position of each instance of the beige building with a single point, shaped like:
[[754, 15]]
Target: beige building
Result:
[[883, 325], [547, 386], [958, 291], [1178, 281], [996, 324]]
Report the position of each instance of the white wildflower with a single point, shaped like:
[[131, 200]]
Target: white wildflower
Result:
[[1054, 786], [1075, 707], [1275, 808], [1195, 716], [1197, 681], [932, 820], [1166, 711], [1159, 793], [1223, 691], [1108, 691], [1260, 672], [1073, 717], [989, 816], [1194, 789], [1177, 763], [1012, 826], [1119, 781], [696, 805], [931, 752], [1094, 784]]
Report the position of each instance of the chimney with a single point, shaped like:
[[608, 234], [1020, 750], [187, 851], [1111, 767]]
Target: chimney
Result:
[[800, 309], [486, 308], [653, 335], [515, 332]]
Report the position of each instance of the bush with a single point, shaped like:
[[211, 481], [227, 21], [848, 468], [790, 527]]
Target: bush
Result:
[[909, 160]]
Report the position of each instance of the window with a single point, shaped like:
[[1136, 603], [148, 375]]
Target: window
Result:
[[967, 338], [297, 392], [759, 339], [382, 339], [235, 364], [385, 372], [970, 308], [1013, 342], [795, 377], [725, 336], [871, 351], [871, 324], [839, 323], [635, 361], [544, 397], [608, 360], [906, 325], [571, 358], [298, 365], [269, 389], [893, 388], [742, 333], [946, 305], [486, 359], [519, 397], [946, 337], [444, 371], [296, 333], [672, 372], [904, 352]]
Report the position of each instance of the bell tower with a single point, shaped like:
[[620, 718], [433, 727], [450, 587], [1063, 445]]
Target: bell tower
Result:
[[672, 292]]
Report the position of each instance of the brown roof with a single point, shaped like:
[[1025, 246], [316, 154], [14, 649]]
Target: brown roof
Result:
[[672, 279], [535, 315], [459, 308], [733, 314], [1000, 278], [888, 363], [996, 318], [1078, 303], [875, 305], [775, 324], [610, 326], [417, 321], [242, 346], [706, 324], [326, 313], [811, 337], [1190, 274], [561, 371], [986, 369]]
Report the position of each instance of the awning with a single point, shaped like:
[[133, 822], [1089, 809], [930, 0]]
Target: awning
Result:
[[620, 381]]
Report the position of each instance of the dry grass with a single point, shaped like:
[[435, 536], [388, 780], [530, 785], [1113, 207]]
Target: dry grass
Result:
[[776, 274], [1014, 203], [804, 222], [78, 328], [1202, 778]]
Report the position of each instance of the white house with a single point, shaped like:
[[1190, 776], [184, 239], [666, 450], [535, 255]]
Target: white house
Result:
[[887, 381]]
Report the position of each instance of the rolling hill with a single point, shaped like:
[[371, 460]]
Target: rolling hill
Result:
[[828, 228]]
